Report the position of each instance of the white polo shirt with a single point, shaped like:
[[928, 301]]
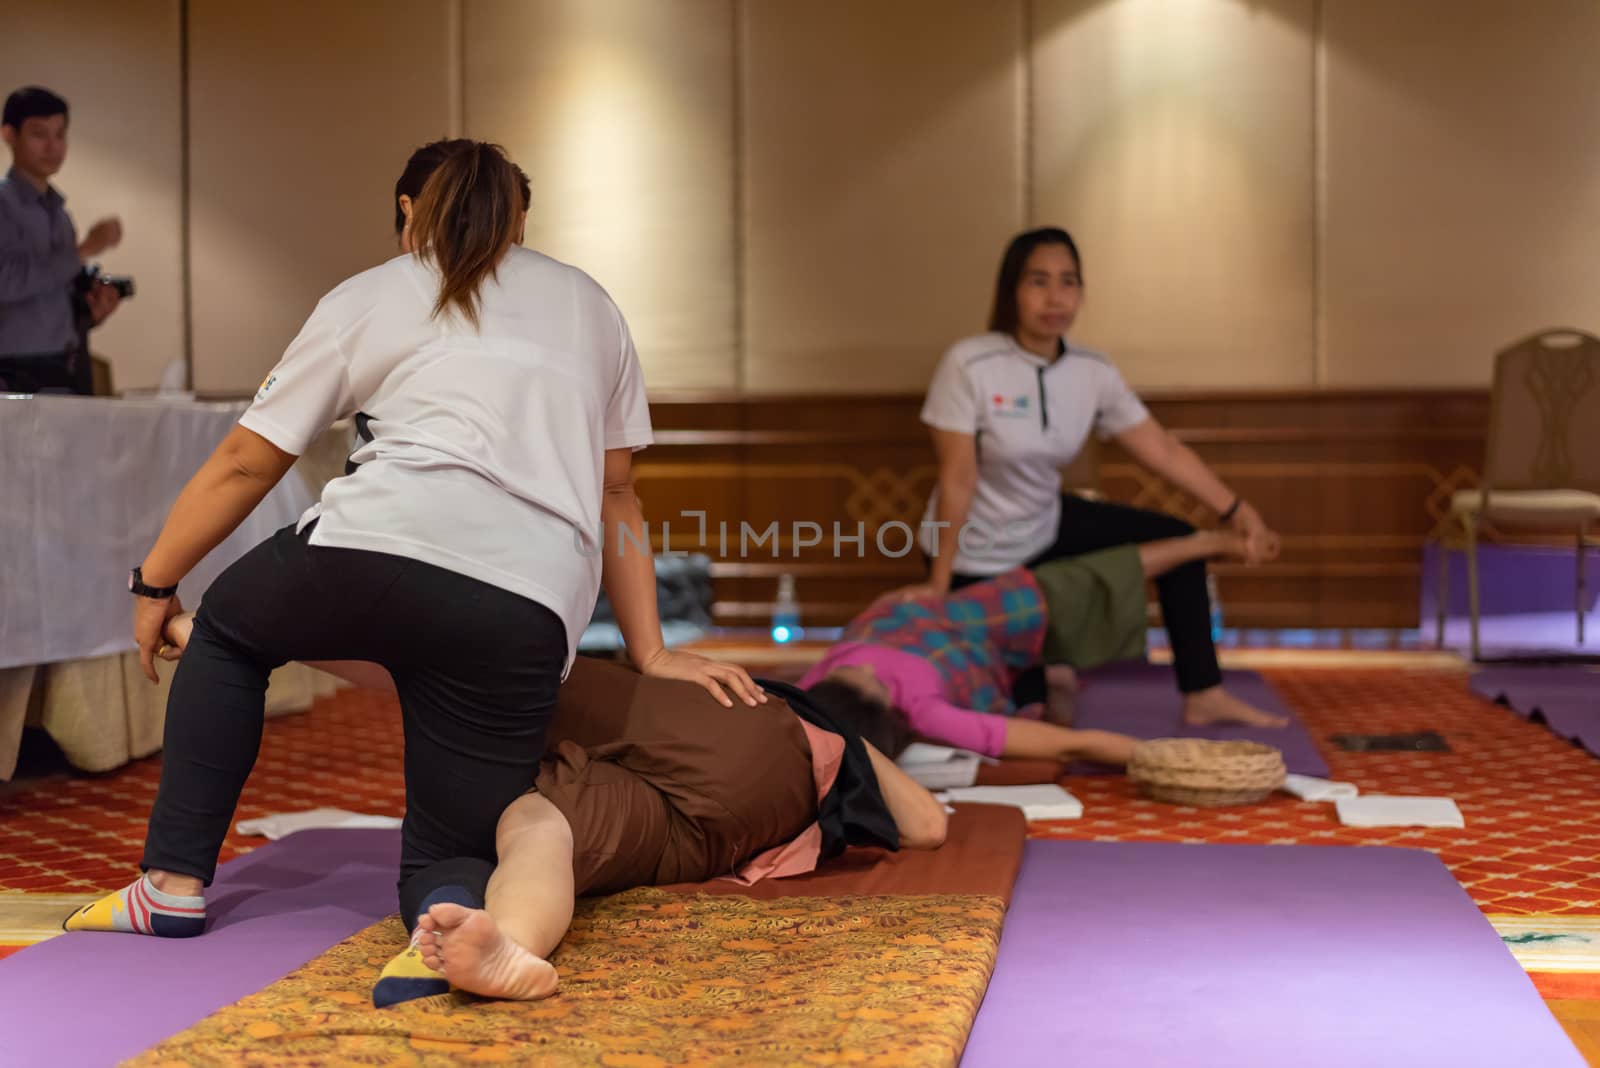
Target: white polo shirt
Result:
[[483, 450], [1031, 417]]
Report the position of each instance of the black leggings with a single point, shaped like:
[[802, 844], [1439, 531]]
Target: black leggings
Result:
[[477, 669], [1087, 526]]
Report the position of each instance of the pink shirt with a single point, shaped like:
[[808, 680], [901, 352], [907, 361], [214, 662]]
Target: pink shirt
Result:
[[800, 854], [916, 689]]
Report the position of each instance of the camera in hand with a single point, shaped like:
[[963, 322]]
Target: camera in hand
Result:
[[91, 276]]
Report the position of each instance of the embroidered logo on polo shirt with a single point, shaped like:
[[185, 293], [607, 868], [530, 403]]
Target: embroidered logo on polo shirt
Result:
[[1009, 407], [266, 384]]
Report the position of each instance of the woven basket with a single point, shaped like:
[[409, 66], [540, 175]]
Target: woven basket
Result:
[[1193, 771]]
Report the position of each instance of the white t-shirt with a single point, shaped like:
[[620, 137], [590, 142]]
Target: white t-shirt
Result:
[[487, 446], [1031, 417]]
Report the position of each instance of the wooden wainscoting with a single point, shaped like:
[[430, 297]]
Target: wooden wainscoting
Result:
[[1355, 481]]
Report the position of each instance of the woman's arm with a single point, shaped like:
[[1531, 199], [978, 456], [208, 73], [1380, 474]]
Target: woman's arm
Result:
[[228, 486], [628, 573], [1159, 451], [627, 568], [919, 816], [958, 478], [1036, 740], [1031, 738]]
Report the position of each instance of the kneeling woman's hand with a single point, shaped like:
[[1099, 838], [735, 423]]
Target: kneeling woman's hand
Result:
[[150, 618], [712, 674]]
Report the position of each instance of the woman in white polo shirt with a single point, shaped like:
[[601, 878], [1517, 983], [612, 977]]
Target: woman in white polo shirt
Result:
[[1009, 409], [499, 400]]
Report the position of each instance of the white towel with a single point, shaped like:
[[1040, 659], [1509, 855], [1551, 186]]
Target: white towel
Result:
[[938, 767], [927, 753], [286, 823], [1046, 802], [1311, 788], [1376, 810]]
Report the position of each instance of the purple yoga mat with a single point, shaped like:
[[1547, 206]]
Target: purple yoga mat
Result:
[[1567, 699], [94, 999], [1141, 700], [1213, 956]]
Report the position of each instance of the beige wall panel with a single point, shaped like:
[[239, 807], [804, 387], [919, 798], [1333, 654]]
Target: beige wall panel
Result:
[[882, 179], [1174, 139], [1463, 206], [622, 113], [118, 66], [302, 116]]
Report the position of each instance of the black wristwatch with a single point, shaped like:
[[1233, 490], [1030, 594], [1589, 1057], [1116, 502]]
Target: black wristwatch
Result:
[[137, 587]]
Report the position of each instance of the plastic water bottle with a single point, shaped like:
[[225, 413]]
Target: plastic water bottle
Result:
[[1216, 607], [785, 612]]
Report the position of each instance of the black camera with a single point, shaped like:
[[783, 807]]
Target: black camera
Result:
[[91, 276]]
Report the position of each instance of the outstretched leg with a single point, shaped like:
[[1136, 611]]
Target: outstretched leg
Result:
[[1096, 610], [1159, 557], [502, 950], [1211, 704]]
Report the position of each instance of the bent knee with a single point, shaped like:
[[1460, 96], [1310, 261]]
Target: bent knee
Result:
[[530, 814]]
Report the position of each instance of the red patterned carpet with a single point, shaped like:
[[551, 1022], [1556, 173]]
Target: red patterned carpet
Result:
[[79, 833], [1531, 801]]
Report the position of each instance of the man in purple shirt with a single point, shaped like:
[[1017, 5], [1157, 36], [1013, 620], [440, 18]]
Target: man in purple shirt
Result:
[[41, 345]]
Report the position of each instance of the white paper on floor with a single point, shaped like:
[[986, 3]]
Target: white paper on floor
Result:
[[317, 819], [1044, 802], [1377, 810], [1311, 788], [938, 767]]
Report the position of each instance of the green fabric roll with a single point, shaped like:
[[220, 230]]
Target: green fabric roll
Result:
[[1096, 607]]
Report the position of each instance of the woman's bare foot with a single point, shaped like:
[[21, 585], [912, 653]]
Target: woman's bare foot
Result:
[[1102, 747], [1225, 544], [468, 948], [1217, 705]]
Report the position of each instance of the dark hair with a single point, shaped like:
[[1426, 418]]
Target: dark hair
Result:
[[1003, 312], [420, 167], [31, 102], [875, 721], [465, 221]]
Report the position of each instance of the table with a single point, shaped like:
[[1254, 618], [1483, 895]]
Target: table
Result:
[[85, 485]]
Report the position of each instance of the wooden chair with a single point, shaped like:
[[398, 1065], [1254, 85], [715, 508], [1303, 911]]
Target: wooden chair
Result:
[[1542, 470]]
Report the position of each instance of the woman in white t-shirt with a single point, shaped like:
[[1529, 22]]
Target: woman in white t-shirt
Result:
[[499, 400], [1009, 409]]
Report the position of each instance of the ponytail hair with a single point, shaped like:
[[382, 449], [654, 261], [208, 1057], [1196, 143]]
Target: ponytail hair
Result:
[[465, 220]]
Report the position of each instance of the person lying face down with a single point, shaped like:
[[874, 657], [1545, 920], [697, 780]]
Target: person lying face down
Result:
[[645, 781], [942, 668]]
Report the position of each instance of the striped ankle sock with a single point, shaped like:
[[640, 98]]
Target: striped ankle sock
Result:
[[406, 977], [139, 908]]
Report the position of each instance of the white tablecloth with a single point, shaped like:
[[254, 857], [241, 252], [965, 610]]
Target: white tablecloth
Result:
[[85, 484]]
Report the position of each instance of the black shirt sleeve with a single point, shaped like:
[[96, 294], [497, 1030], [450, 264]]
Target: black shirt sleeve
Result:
[[854, 812]]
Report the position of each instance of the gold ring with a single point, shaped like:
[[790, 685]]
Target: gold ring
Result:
[[162, 650]]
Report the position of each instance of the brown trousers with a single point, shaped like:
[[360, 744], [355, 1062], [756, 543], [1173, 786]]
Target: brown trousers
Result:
[[661, 784]]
